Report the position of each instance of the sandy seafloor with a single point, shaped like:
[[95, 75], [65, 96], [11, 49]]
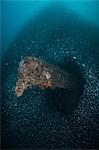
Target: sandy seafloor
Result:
[[57, 35]]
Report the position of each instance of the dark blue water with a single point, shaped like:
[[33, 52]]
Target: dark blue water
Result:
[[16, 14], [41, 119]]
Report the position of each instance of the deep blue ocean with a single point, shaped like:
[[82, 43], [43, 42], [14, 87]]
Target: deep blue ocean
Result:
[[65, 34]]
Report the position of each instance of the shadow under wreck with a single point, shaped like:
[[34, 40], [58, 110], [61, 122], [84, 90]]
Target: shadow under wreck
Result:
[[64, 100]]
